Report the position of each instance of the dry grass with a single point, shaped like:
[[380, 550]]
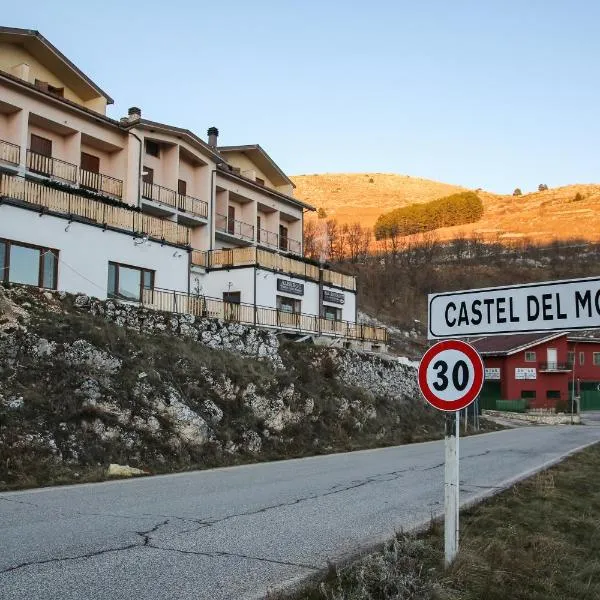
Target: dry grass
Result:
[[552, 214], [539, 540]]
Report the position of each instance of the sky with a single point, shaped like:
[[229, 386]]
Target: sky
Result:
[[494, 94]]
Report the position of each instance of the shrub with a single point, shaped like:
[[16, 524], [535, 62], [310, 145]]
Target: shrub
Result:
[[321, 213], [578, 197], [457, 209], [542, 187], [517, 192]]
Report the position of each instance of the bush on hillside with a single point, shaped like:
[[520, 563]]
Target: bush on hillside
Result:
[[517, 192], [456, 209], [542, 187]]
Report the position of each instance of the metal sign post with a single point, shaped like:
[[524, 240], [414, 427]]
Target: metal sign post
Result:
[[451, 487], [450, 378]]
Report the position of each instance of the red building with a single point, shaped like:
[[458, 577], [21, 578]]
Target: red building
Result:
[[541, 368]]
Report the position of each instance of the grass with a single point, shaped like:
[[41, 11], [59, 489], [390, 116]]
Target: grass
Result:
[[539, 540]]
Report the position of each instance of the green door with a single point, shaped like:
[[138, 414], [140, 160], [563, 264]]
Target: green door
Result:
[[490, 392]]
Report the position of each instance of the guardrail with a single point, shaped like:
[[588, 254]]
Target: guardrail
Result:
[[234, 227], [9, 152], [261, 316], [90, 210], [264, 237], [101, 183], [555, 366], [51, 167]]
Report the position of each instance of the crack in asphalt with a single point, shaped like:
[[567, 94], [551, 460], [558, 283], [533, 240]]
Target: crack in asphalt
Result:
[[217, 553]]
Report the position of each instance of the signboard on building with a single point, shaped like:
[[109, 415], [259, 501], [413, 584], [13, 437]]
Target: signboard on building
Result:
[[333, 297], [492, 373], [290, 287], [550, 306], [525, 373]]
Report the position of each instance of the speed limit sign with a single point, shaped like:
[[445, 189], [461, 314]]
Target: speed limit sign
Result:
[[451, 375]]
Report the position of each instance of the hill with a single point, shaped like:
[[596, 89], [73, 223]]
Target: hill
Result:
[[557, 213]]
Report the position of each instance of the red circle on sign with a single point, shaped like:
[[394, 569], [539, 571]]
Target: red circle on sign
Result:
[[470, 393]]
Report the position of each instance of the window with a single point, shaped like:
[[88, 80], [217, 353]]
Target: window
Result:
[[570, 358], [182, 187], [127, 283], [231, 219], [288, 305], [553, 394], [283, 237], [232, 297], [232, 306], [27, 264], [259, 181], [152, 148], [258, 229], [529, 356], [596, 359], [89, 162], [581, 358], [527, 394], [41, 145], [332, 313], [148, 175]]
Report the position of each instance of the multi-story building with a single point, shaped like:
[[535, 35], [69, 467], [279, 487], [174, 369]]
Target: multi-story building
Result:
[[148, 212]]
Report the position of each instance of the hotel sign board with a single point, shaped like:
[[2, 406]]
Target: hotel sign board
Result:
[[290, 287], [549, 306]]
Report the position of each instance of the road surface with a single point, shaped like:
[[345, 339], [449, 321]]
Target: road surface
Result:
[[233, 533]]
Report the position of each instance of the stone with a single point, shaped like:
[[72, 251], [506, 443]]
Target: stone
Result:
[[115, 470]]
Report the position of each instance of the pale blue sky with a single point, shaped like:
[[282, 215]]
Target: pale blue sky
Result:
[[483, 93]]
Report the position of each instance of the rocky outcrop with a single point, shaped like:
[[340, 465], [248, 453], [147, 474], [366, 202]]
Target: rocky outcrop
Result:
[[85, 384]]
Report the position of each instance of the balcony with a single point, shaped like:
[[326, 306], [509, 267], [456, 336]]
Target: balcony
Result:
[[270, 318], [182, 202], [234, 227], [51, 167], [555, 367], [273, 240], [251, 256], [87, 210], [10, 153], [101, 183]]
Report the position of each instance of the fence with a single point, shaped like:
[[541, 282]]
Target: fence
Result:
[[64, 202], [202, 306]]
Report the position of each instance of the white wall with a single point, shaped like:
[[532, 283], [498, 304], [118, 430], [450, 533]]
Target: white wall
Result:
[[349, 306], [214, 283], [266, 291], [85, 251]]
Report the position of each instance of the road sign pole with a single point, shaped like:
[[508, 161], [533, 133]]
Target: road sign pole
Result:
[[451, 487]]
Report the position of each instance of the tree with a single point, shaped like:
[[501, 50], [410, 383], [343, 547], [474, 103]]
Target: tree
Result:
[[517, 192], [321, 213], [542, 187]]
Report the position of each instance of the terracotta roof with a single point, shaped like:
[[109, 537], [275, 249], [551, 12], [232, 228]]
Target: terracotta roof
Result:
[[503, 345]]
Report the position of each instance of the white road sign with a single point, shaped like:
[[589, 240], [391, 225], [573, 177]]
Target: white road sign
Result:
[[549, 306]]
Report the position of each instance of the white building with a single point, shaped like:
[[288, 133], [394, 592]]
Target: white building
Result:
[[147, 212]]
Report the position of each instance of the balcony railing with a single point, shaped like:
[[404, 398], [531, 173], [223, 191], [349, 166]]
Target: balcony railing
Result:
[[160, 194], [555, 366], [51, 167], [10, 153], [163, 195], [274, 240], [101, 183], [92, 211], [192, 205], [234, 227], [250, 256], [202, 306]]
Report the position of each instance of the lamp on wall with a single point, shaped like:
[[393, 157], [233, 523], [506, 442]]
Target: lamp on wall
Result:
[[177, 254], [141, 241]]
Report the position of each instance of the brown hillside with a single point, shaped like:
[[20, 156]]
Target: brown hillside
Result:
[[553, 214]]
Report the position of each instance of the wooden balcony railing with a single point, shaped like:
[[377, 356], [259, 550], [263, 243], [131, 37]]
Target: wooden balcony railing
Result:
[[348, 282], [101, 183], [205, 307], [10, 153], [90, 210], [51, 167]]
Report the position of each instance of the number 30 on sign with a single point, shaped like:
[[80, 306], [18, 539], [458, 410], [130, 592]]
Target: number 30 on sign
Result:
[[451, 375]]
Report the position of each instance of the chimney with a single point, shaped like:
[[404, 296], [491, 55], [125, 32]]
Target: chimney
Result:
[[213, 134], [134, 114]]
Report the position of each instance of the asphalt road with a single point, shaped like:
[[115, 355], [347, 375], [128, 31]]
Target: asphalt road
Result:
[[233, 533]]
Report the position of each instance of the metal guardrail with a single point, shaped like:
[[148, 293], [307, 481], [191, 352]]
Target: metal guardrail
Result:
[[95, 211], [51, 167], [234, 227], [270, 239], [555, 366], [261, 316], [101, 183]]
